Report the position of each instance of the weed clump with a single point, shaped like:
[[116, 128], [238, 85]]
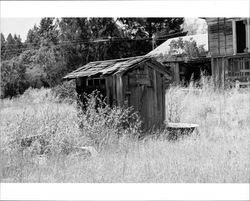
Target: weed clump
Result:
[[65, 92], [103, 125]]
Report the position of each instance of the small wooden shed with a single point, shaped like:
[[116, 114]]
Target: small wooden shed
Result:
[[137, 81]]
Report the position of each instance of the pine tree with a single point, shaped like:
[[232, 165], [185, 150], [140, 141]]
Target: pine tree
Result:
[[33, 38], [11, 49], [3, 47]]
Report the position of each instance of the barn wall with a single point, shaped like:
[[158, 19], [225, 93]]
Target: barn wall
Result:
[[144, 89], [218, 71], [227, 64], [110, 94], [175, 68], [107, 90], [220, 37], [230, 69]]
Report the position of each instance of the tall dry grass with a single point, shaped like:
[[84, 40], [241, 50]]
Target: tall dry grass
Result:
[[219, 153]]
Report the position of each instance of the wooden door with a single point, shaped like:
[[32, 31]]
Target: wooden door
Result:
[[144, 92]]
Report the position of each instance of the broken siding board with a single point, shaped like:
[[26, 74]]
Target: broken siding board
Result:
[[109, 91], [221, 43], [147, 107], [229, 46], [226, 69], [222, 73], [164, 87], [114, 90], [229, 35], [139, 72], [125, 90], [213, 61], [119, 90], [133, 93], [174, 66], [143, 100], [155, 97], [149, 96], [159, 99]]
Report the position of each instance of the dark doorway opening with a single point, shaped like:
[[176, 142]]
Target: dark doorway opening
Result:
[[240, 36], [193, 71]]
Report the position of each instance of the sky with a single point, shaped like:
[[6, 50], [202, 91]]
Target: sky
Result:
[[18, 26], [21, 26]]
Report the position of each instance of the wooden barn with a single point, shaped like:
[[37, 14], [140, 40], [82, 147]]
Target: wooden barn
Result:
[[184, 68], [229, 47], [137, 81]]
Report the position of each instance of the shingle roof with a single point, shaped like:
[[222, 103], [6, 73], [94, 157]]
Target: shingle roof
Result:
[[107, 67]]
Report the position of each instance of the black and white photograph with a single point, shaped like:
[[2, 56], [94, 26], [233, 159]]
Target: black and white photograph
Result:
[[125, 99]]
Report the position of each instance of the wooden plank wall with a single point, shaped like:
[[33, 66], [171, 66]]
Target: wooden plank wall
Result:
[[175, 68], [119, 89], [220, 36], [109, 91], [218, 71], [230, 68], [148, 98], [143, 88]]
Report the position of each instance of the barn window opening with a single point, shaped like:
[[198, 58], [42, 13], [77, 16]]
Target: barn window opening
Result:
[[102, 81], [193, 71], [90, 82], [95, 82], [239, 67], [240, 36]]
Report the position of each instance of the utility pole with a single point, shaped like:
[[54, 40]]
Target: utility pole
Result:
[[153, 41]]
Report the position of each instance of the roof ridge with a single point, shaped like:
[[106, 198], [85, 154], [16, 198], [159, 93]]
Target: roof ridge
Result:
[[121, 59]]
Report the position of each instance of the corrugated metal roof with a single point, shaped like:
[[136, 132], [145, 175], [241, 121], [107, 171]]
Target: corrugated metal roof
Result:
[[107, 67]]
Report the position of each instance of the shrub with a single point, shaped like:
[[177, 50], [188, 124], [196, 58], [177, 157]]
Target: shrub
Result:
[[65, 92], [103, 125], [33, 95]]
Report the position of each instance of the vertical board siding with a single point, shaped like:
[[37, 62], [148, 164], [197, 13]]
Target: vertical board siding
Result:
[[150, 94], [119, 90], [220, 37], [222, 47], [230, 69], [109, 90], [155, 116], [142, 87], [160, 107], [114, 89]]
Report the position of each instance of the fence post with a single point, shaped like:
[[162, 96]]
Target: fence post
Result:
[[237, 84]]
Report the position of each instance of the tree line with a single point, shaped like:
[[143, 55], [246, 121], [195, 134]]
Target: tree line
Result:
[[57, 46]]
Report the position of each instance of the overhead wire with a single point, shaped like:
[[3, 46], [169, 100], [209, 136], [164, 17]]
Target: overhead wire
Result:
[[107, 39], [87, 41]]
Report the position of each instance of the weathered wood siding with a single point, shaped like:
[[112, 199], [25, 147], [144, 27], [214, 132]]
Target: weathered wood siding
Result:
[[218, 71], [226, 63], [231, 68], [144, 89], [220, 36]]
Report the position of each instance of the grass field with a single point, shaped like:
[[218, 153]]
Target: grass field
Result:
[[219, 153]]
